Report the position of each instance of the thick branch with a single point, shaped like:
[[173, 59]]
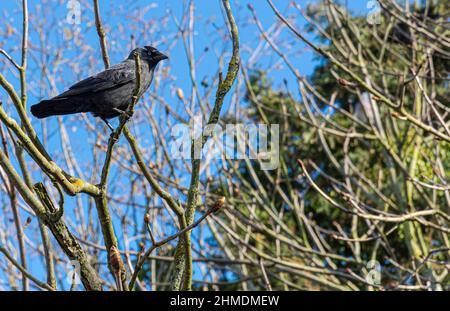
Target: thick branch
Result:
[[183, 259], [65, 238]]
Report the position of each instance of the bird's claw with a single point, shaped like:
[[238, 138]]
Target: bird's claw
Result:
[[109, 125], [121, 112]]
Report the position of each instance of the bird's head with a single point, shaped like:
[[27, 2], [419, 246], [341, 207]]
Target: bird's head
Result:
[[148, 54]]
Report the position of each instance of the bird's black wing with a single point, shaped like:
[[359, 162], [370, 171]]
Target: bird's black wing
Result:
[[113, 77]]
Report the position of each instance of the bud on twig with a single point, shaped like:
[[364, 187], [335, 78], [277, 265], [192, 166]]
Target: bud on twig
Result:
[[345, 83], [219, 204], [27, 222], [116, 265], [115, 259], [180, 94], [141, 246], [147, 218]]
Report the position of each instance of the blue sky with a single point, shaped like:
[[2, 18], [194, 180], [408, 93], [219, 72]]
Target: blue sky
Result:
[[208, 25]]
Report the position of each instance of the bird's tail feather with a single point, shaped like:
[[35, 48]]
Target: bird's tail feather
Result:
[[55, 107]]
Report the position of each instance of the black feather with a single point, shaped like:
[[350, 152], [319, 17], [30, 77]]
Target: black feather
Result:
[[106, 92]]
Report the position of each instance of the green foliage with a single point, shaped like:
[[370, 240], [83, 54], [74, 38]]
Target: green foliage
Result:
[[380, 182]]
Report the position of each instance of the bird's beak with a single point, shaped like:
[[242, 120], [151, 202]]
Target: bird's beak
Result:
[[160, 56]]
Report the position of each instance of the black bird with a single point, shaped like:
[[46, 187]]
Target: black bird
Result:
[[107, 94]]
